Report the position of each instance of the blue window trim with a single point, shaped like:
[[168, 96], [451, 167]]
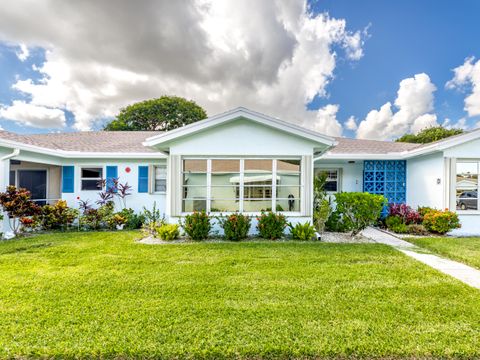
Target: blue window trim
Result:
[[111, 175], [68, 179], [143, 179]]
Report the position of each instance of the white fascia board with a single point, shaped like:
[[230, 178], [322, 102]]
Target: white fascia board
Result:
[[235, 114], [81, 154]]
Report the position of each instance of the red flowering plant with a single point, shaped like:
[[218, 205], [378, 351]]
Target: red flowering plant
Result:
[[235, 226], [271, 225], [406, 213], [17, 204]]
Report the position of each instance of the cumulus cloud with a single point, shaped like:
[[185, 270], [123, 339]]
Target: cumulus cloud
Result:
[[326, 121], [33, 115], [351, 123], [468, 76], [23, 53], [414, 104], [219, 53]]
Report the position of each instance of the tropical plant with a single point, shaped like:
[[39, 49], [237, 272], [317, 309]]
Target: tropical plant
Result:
[[396, 224], [304, 232], [132, 220], [235, 226], [337, 223], [271, 225], [441, 222], [359, 209], [321, 205], [57, 216], [163, 114], [197, 225], [168, 232], [405, 212], [152, 219], [17, 204]]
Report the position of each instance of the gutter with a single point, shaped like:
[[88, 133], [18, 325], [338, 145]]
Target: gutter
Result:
[[15, 152]]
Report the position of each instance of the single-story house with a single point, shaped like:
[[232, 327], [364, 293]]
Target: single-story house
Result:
[[244, 161]]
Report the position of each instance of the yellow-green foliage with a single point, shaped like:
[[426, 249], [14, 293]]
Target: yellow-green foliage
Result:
[[168, 231], [303, 232]]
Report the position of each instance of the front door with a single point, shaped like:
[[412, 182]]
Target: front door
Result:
[[34, 181]]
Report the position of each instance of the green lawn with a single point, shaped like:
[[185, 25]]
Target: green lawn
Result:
[[103, 295], [466, 250]]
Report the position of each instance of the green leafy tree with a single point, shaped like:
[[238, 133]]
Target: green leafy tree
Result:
[[162, 114], [429, 135]]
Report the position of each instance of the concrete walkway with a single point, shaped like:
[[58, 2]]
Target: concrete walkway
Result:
[[459, 271]]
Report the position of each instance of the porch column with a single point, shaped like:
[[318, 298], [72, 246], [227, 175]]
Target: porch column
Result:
[[4, 182]]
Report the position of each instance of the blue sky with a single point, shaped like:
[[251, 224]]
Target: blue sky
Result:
[[404, 38]]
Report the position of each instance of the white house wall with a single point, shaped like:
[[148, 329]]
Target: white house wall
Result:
[[351, 174], [242, 138], [425, 181], [136, 201]]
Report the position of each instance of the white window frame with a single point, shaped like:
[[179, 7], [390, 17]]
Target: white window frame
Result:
[[241, 184], [154, 178], [339, 182], [98, 179], [467, 211]]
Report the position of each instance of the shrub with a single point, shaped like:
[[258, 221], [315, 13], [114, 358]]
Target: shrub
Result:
[[396, 224], [321, 214], [271, 225], [17, 204], [405, 212], [197, 226], [152, 219], [417, 229], [132, 221], [235, 226], [359, 209], [441, 222], [57, 216], [90, 219], [336, 223], [422, 210], [302, 232], [168, 232]]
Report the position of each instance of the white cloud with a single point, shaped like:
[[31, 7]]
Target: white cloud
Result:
[[23, 53], [351, 123], [33, 115], [466, 75], [414, 103], [219, 53], [326, 121]]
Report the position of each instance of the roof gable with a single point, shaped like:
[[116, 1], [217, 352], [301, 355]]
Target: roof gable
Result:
[[233, 115]]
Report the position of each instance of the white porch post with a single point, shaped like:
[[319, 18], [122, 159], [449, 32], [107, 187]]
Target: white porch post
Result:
[[4, 181]]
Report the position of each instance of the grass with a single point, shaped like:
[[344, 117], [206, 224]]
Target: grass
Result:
[[465, 249], [103, 295]]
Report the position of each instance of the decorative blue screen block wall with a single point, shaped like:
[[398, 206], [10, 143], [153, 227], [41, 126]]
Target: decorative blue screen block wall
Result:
[[387, 178]]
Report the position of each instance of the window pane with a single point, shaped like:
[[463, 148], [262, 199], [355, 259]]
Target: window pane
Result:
[[257, 192], [92, 173], [160, 185], [160, 172], [331, 184], [292, 204], [197, 165], [224, 205], [91, 185], [225, 192], [288, 191], [258, 166], [192, 192], [288, 166], [467, 186], [194, 179], [194, 205], [288, 179], [225, 179], [257, 205], [225, 166]]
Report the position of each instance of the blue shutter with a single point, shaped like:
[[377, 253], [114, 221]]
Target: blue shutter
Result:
[[68, 176], [143, 179], [112, 174]]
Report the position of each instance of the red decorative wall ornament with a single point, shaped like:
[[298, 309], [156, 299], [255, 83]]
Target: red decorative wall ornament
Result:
[[127, 169]]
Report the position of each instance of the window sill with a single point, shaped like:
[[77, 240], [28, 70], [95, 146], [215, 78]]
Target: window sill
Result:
[[468, 212]]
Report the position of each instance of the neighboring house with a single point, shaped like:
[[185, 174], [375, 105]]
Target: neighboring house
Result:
[[243, 161]]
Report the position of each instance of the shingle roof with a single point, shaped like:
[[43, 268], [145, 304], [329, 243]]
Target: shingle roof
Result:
[[358, 146], [89, 141], [131, 142]]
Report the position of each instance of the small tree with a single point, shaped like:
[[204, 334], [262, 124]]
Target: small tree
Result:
[[321, 205], [162, 114], [429, 135], [17, 204]]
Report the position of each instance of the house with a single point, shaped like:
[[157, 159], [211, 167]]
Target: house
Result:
[[244, 161]]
